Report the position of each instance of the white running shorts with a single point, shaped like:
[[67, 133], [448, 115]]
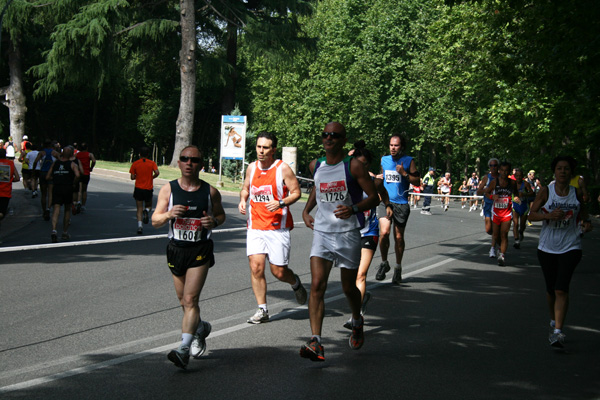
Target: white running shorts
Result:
[[274, 243], [343, 248]]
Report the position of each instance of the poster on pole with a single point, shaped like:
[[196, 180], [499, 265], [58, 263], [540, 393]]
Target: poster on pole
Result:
[[233, 137]]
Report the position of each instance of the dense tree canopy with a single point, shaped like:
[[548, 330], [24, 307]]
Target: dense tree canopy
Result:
[[464, 80]]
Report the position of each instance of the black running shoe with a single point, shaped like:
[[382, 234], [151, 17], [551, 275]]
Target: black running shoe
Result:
[[312, 350], [180, 357]]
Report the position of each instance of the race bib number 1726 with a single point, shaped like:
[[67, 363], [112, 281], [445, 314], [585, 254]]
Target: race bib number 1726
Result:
[[330, 192]]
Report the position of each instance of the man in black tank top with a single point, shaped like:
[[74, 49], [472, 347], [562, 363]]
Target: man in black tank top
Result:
[[192, 208], [64, 173]]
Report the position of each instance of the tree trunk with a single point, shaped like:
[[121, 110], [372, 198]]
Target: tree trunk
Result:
[[184, 127], [14, 95], [228, 101]]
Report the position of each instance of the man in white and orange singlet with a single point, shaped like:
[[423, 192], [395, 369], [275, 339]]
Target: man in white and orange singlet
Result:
[[269, 189]]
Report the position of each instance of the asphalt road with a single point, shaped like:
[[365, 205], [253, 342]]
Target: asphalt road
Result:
[[94, 318]]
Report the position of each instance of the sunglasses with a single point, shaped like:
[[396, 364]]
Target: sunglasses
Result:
[[194, 160], [334, 135], [493, 165]]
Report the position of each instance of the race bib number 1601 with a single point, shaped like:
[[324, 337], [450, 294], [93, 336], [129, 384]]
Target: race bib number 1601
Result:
[[187, 229]]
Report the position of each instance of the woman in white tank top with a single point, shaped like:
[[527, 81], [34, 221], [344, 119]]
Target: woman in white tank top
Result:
[[564, 218]]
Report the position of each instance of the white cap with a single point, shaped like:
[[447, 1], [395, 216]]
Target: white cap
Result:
[[25, 137]]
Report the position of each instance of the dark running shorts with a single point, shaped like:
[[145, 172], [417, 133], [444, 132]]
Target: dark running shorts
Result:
[[369, 242], [142, 194], [401, 213], [4, 205], [62, 194], [180, 259], [85, 179]]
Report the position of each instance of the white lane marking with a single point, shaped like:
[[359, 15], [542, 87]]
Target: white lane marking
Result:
[[214, 334], [112, 240]]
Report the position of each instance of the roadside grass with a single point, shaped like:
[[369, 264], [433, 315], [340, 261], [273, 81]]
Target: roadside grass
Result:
[[170, 173]]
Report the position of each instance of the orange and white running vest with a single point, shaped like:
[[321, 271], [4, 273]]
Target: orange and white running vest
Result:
[[267, 185]]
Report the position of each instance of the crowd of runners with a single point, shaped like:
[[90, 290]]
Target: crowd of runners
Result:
[[356, 211]]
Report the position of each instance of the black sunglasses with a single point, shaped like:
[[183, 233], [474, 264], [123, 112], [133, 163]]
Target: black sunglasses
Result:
[[493, 165], [334, 135], [194, 160]]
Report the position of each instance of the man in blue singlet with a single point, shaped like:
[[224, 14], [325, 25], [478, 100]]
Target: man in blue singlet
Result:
[[399, 171]]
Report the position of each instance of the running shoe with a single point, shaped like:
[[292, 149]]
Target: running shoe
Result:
[[73, 209], [397, 278], [445, 208], [529, 223], [481, 213], [259, 317], [54, 237], [384, 267], [34, 194], [140, 231], [348, 324], [492, 252], [517, 244], [180, 356], [145, 217], [300, 293], [357, 337], [557, 340], [78, 208], [198, 346], [312, 350], [501, 261], [65, 236], [426, 212], [363, 307]]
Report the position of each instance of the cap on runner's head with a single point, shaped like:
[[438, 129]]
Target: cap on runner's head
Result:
[[532, 172], [431, 169], [25, 137]]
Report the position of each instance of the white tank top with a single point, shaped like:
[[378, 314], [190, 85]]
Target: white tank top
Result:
[[558, 237]]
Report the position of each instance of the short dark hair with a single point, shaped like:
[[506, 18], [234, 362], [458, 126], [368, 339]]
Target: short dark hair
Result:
[[402, 138], [360, 150], [505, 164], [82, 146], [269, 136], [569, 159], [144, 151]]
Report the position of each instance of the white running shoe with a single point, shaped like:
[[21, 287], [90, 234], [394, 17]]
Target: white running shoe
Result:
[[492, 252], [259, 317], [501, 261], [198, 346]]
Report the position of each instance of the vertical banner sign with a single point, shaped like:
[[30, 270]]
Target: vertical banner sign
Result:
[[233, 139]]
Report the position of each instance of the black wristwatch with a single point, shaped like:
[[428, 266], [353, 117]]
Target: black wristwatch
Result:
[[389, 205], [281, 203], [355, 209]]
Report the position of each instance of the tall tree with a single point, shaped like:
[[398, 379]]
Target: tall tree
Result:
[[187, 69]]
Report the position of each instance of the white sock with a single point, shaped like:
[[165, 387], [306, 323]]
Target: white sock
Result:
[[264, 307], [318, 337], [186, 339], [557, 330], [139, 224]]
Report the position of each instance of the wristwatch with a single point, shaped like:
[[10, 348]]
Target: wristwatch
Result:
[[281, 203], [355, 209]]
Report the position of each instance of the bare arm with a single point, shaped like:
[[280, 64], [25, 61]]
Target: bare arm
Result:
[[245, 192], [161, 215], [534, 213], [311, 203], [291, 182], [92, 162], [359, 171]]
